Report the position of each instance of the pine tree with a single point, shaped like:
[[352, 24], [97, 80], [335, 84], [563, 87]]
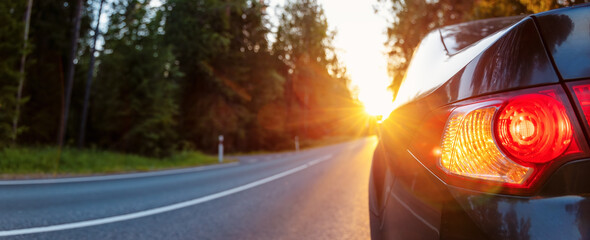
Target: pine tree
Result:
[[317, 84], [135, 109], [11, 42]]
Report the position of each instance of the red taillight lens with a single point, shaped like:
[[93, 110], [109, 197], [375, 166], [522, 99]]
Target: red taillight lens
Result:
[[533, 128]]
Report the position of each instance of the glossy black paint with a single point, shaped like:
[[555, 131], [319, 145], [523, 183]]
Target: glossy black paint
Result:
[[567, 35], [459, 36], [516, 60], [509, 217], [569, 179], [407, 201]]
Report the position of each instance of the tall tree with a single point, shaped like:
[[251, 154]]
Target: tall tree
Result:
[[82, 133], [135, 108], [71, 68], [222, 50], [316, 82], [50, 35], [253, 81], [198, 30], [21, 81], [12, 14]]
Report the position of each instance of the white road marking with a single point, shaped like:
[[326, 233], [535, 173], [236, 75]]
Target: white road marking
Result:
[[163, 209], [114, 177]]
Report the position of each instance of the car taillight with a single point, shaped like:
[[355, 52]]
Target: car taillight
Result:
[[533, 128], [509, 142], [469, 148]]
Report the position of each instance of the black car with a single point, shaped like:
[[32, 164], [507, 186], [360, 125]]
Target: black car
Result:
[[490, 136]]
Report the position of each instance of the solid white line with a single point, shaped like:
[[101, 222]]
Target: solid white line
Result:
[[114, 177], [163, 209]]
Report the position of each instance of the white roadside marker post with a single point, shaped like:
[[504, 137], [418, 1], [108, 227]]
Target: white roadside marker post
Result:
[[220, 148], [296, 143]]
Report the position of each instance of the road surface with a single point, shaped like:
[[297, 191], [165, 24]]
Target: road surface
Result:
[[319, 193]]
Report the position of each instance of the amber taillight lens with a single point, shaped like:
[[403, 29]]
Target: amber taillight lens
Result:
[[469, 149]]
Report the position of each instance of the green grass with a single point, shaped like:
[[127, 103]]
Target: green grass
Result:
[[44, 161]]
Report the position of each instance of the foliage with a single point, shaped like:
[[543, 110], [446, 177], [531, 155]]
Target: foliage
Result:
[[412, 20], [134, 108], [230, 75], [11, 43], [51, 23], [174, 77], [318, 98], [302, 34]]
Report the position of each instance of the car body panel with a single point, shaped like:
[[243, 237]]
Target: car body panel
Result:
[[512, 58], [510, 217], [410, 202], [460, 36], [567, 35], [442, 65]]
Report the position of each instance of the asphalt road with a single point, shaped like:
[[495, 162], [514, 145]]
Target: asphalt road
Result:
[[314, 194]]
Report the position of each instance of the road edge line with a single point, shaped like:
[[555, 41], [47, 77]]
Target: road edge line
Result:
[[114, 176], [158, 210]]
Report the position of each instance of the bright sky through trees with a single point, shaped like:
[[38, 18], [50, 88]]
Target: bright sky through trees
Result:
[[359, 40], [360, 37]]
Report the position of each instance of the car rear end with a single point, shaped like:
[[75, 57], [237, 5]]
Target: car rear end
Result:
[[490, 140]]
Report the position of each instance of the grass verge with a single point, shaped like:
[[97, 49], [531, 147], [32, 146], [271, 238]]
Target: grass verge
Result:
[[43, 161]]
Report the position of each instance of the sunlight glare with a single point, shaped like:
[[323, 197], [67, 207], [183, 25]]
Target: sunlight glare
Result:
[[375, 97], [360, 41]]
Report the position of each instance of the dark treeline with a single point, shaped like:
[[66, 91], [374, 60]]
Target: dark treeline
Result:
[[175, 76], [412, 19]]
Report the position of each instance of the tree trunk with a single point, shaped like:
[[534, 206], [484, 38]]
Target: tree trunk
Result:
[[89, 81], [70, 76], [21, 81]]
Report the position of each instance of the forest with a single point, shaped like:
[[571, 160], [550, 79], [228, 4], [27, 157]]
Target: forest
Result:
[[170, 76]]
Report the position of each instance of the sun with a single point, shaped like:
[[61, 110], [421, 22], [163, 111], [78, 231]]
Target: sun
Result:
[[371, 81], [377, 106], [374, 109], [376, 99]]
